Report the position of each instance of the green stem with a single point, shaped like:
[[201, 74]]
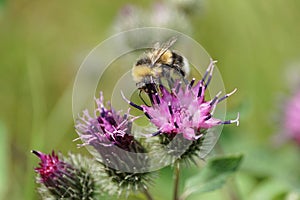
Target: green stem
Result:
[[233, 190], [147, 194], [176, 180]]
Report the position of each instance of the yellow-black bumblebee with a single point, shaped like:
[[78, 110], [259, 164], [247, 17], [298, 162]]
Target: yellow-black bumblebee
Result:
[[160, 62]]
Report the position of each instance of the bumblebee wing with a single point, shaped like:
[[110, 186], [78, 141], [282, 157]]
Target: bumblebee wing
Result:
[[156, 46], [159, 50]]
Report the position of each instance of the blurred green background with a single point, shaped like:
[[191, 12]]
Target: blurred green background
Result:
[[42, 44]]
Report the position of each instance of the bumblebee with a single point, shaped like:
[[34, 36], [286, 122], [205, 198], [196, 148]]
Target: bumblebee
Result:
[[160, 62]]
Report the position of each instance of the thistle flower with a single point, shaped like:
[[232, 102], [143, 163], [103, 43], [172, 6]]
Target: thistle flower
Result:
[[184, 110], [292, 117], [60, 178], [188, 7], [183, 117], [109, 133], [162, 14]]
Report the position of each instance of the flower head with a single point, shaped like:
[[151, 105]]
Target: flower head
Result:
[[60, 179], [162, 14], [183, 109], [292, 117], [106, 128], [50, 167], [109, 133]]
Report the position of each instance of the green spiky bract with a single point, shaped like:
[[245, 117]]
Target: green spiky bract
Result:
[[177, 148], [81, 180], [123, 174]]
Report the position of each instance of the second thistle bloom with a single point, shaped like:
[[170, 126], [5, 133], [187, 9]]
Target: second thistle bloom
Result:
[[67, 178], [109, 134], [106, 128], [292, 117]]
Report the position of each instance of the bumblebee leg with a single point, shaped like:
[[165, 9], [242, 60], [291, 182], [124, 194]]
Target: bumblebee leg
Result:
[[186, 82], [140, 95], [150, 91], [178, 87], [151, 98], [181, 73], [172, 82], [136, 106], [169, 78]]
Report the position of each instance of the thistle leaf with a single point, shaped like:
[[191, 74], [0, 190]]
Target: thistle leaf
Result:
[[213, 175]]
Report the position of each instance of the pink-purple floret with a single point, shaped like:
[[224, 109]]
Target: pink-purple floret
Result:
[[50, 167], [106, 127], [182, 112], [292, 117], [183, 109]]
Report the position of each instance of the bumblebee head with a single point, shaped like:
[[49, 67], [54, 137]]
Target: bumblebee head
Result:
[[148, 85]]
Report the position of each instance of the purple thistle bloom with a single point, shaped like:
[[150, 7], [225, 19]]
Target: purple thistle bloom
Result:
[[292, 117], [109, 133], [184, 109], [71, 178], [106, 127], [50, 168], [57, 175]]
